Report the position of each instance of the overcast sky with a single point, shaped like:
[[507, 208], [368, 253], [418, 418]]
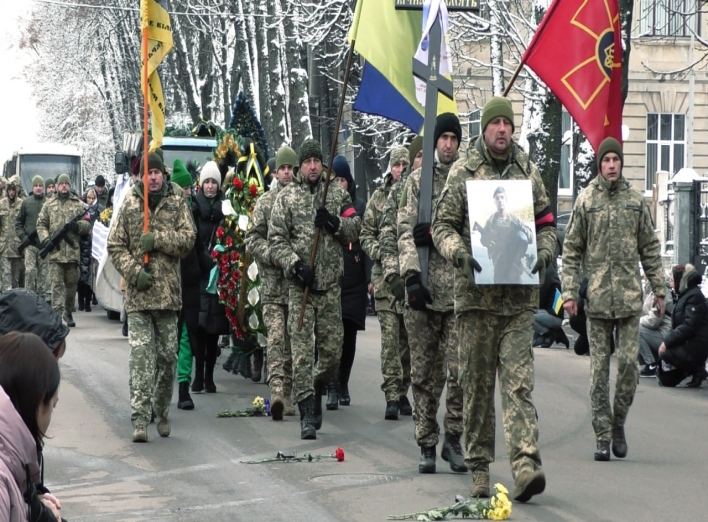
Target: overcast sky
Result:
[[19, 115]]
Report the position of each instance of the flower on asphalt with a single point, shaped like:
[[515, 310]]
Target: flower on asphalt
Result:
[[339, 453]]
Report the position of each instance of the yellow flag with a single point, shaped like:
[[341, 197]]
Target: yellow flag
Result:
[[154, 17]]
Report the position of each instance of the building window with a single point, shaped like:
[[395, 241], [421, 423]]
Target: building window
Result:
[[666, 145], [674, 18], [473, 123], [565, 178]]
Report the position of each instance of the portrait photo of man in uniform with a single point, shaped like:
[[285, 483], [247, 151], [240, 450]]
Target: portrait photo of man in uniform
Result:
[[503, 235]]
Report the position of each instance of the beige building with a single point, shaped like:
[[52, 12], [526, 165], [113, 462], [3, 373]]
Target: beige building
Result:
[[657, 110]]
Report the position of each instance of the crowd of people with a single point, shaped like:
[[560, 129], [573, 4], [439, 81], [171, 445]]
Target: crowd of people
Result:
[[440, 329]]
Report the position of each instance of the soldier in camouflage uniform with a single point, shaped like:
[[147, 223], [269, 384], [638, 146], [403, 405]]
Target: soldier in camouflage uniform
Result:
[[64, 257], [495, 322], [610, 232], [395, 353], [26, 230], [431, 329], [274, 290], [154, 292], [298, 209], [50, 187], [10, 258]]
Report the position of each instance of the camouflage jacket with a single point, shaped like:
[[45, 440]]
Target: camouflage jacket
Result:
[[451, 229], [174, 229], [56, 213], [292, 230], [274, 285], [369, 237], [610, 232], [8, 238], [388, 231], [440, 273]]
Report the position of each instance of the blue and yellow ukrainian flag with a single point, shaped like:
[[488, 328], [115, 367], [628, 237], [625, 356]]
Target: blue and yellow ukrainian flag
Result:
[[387, 39], [557, 302]]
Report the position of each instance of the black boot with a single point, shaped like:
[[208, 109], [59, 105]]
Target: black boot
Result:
[[427, 460], [257, 366], [404, 406], [391, 410], [562, 338], [198, 383], [332, 396], [344, 398], [307, 420], [619, 442], [81, 293], [87, 298], [319, 392], [602, 453], [209, 363], [94, 301], [125, 328], [452, 453], [697, 379], [185, 401]]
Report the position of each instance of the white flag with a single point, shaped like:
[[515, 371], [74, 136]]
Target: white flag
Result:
[[431, 9]]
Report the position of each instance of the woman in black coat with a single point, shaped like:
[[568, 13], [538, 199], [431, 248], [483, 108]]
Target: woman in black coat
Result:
[[686, 346], [355, 282], [207, 213], [85, 287]]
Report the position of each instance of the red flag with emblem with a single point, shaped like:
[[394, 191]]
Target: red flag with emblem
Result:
[[577, 52]]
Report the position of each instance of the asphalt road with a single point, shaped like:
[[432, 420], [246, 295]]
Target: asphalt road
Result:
[[196, 474]]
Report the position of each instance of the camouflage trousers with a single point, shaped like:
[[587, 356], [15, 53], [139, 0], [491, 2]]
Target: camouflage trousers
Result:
[[152, 336], [395, 355], [322, 330], [11, 269], [626, 350], [434, 360], [279, 356], [65, 282], [491, 344], [36, 272]]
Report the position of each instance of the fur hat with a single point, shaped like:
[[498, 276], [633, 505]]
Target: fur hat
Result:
[[398, 155], [210, 171], [448, 122], [496, 107], [37, 180], [285, 156], [310, 149]]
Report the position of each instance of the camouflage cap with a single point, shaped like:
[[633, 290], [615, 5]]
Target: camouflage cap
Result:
[[398, 155], [310, 149]]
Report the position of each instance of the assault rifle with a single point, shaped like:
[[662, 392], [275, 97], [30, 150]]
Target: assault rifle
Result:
[[60, 235]]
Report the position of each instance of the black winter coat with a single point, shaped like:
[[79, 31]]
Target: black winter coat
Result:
[[85, 246], [689, 322], [194, 268], [357, 274], [207, 217]]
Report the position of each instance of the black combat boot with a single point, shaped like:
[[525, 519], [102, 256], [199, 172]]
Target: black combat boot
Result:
[[332, 396], [391, 410], [404, 406], [319, 392], [125, 328], [427, 460], [344, 398], [209, 363], [619, 442], [602, 453], [185, 401], [452, 453], [198, 383], [307, 419]]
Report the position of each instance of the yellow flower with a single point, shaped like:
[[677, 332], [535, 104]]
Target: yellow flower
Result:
[[501, 489], [258, 402]]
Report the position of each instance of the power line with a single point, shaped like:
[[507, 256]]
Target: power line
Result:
[[134, 9]]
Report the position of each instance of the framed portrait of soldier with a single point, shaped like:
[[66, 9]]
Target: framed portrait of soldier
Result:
[[503, 231]]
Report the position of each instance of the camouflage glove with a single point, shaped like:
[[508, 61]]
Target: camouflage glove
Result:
[[147, 242], [398, 289], [324, 219], [421, 235], [544, 259], [145, 280], [418, 295], [304, 275], [465, 262]]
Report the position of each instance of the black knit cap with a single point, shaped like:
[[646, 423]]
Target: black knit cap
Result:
[[448, 122]]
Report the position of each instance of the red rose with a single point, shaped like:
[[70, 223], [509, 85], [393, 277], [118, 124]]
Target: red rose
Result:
[[229, 242], [234, 256], [214, 254], [224, 259], [220, 232], [232, 285], [339, 453], [238, 184], [254, 190], [222, 294], [232, 301], [225, 269]]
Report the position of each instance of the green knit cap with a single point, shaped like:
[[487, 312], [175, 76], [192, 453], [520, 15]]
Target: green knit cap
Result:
[[154, 162], [62, 178], [497, 106], [285, 156], [309, 149], [609, 145], [414, 148], [181, 175], [37, 180], [49, 181]]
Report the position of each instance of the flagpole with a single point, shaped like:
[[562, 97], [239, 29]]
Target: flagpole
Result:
[[333, 151], [146, 217], [513, 78]]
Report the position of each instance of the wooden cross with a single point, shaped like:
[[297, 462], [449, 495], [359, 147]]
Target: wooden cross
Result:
[[435, 82]]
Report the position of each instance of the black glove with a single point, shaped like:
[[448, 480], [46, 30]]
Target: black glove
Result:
[[398, 289], [418, 295], [324, 219], [73, 226], [465, 262], [421, 235], [304, 275]]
